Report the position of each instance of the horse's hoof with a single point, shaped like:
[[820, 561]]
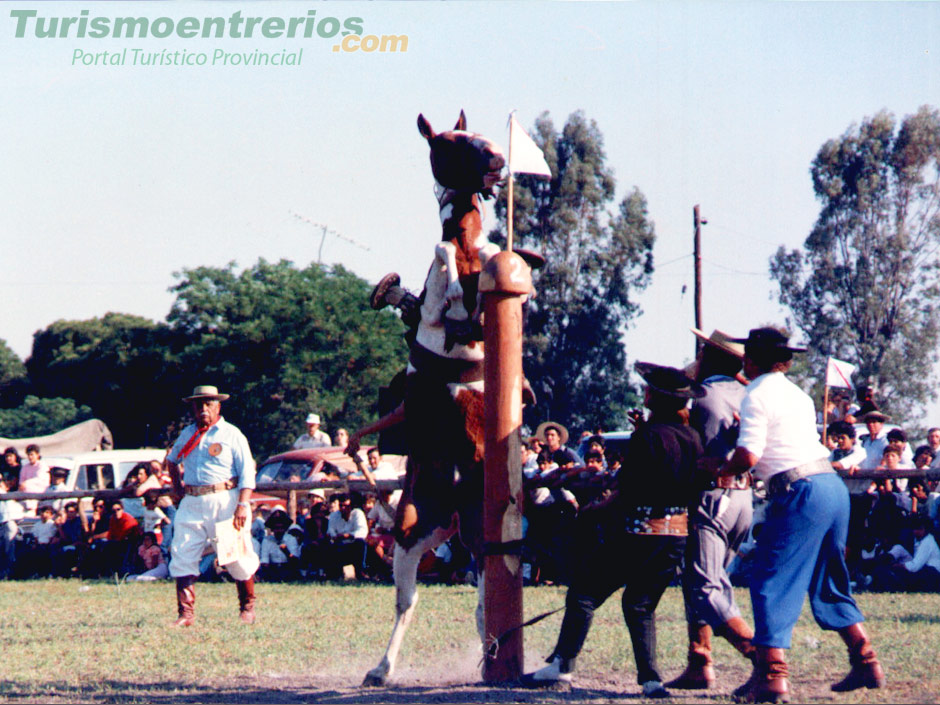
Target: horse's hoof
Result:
[[373, 680], [377, 300]]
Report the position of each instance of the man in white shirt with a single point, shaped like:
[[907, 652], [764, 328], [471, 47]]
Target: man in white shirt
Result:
[[920, 572], [347, 529], [802, 543], [314, 437]]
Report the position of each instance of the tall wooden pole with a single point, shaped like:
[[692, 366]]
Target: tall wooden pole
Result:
[[505, 279], [697, 221]]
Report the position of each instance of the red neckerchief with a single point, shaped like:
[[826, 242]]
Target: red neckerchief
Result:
[[194, 441]]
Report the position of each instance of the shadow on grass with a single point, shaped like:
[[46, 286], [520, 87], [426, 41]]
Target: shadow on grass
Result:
[[163, 693]]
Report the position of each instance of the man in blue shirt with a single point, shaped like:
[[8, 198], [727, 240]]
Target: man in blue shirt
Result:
[[216, 484]]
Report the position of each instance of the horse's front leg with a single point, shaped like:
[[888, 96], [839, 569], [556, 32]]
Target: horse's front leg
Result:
[[446, 253], [405, 567]]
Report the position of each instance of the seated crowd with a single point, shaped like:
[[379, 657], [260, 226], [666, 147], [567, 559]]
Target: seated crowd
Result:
[[892, 538]]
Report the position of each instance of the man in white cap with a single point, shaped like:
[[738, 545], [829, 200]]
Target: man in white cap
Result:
[[314, 437], [219, 475]]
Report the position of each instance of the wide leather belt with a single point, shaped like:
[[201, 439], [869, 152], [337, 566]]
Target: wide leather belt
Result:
[[733, 482], [780, 483], [671, 525], [198, 490]]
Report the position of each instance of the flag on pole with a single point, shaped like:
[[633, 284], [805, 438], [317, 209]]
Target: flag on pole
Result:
[[525, 157], [839, 374]]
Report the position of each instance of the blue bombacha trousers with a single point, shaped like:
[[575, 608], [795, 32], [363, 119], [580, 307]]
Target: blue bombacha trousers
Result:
[[800, 550]]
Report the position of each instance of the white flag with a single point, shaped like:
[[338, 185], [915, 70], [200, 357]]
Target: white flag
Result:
[[525, 157], [839, 374]]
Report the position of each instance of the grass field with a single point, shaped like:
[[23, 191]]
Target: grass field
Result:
[[103, 642]]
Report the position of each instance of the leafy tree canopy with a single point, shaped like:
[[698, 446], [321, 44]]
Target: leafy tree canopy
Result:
[[865, 286], [598, 258], [285, 341], [40, 417], [12, 375]]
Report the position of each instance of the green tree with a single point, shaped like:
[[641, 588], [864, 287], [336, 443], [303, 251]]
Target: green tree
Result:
[[865, 287], [119, 365], [597, 261], [284, 341], [40, 417], [13, 378]]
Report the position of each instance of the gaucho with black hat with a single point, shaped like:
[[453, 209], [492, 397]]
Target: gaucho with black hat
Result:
[[643, 523], [802, 543]]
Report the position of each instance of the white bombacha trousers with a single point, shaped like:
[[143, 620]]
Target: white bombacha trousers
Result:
[[194, 529]]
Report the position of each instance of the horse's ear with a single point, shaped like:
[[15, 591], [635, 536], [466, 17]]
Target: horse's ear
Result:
[[424, 127], [461, 122]]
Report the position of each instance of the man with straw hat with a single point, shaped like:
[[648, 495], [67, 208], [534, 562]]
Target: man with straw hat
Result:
[[720, 519], [553, 436], [802, 544], [219, 476], [642, 523]]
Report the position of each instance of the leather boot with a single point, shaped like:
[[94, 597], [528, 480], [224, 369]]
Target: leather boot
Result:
[[768, 682], [699, 673], [185, 601], [246, 600], [739, 635], [866, 672]]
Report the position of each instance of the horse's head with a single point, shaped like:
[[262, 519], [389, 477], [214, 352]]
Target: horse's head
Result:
[[461, 160]]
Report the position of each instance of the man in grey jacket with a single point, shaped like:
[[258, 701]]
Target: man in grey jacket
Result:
[[720, 520]]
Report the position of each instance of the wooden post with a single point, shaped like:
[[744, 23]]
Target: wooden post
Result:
[[697, 250], [503, 283], [292, 504]]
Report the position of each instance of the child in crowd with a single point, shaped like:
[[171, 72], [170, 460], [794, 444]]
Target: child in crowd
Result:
[[151, 558], [154, 518]]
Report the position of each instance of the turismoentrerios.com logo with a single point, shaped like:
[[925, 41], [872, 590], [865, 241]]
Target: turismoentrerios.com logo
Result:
[[349, 31]]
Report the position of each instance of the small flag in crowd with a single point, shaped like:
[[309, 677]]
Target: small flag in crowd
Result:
[[525, 157], [838, 373]]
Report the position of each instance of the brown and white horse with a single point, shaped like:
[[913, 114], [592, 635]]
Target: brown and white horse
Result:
[[443, 407]]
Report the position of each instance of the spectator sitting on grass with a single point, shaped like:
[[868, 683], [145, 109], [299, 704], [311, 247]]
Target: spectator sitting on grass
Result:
[[151, 559], [919, 572], [347, 529], [45, 533], [280, 550], [123, 530], [71, 546]]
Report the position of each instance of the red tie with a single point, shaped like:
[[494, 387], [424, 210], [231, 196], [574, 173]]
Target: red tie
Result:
[[194, 441]]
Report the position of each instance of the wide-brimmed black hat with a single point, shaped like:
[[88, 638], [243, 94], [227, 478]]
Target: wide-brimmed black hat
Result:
[[669, 381], [767, 339], [869, 411]]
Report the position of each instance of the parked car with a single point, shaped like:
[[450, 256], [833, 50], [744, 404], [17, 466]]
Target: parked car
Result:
[[311, 464], [615, 443], [104, 469]]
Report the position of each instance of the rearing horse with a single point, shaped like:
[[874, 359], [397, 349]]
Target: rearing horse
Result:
[[443, 407]]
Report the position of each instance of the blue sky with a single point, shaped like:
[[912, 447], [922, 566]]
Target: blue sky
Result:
[[116, 176]]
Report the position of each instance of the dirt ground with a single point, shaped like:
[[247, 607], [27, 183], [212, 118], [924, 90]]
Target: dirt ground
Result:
[[416, 688]]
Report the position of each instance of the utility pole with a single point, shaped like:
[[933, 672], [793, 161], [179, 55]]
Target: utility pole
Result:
[[698, 223]]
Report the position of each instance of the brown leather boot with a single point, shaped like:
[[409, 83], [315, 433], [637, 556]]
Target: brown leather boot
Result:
[[768, 682], [699, 673], [246, 600], [739, 635], [866, 672], [185, 601]]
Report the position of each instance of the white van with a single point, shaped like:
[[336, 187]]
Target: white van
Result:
[[103, 469]]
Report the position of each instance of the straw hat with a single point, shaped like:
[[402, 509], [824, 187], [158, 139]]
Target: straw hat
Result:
[[543, 427], [206, 391], [722, 341]]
